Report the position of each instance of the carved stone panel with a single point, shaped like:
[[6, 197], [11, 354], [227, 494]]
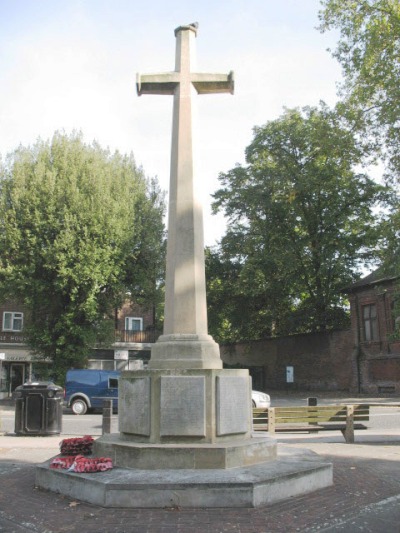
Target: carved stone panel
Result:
[[134, 405], [233, 405], [182, 410]]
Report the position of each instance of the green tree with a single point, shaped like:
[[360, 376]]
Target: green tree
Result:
[[302, 223], [241, 306], [224, 301], [144, 270], [79, 228], [369, 52]]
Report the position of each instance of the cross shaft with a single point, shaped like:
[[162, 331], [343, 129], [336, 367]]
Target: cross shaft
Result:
[[185, 293]]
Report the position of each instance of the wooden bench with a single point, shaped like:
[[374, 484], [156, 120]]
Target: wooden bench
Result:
[[345, 418]]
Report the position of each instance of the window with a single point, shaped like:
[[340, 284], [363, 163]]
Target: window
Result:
[[395, 310], [113, 383], [370, 322], [12, 321], [133, 323]]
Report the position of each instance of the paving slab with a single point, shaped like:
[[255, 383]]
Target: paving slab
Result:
[[365, 495]]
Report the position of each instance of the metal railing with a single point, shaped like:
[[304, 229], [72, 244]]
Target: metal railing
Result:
[[145, 337]]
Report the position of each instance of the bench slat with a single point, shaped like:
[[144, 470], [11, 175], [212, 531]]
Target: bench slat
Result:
[[318, 418]]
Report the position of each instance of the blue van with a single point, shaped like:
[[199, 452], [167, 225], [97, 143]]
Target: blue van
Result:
[[86, 389]]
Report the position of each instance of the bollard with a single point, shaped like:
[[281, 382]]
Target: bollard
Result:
[[271, 419], [107, 416], [349, 431], [312, 402]]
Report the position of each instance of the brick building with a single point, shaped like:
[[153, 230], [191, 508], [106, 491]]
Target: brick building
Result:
[[16, 361], [134, 335], [376, 354]]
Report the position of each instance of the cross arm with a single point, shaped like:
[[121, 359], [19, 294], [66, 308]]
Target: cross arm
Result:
[[213, 83], [163, 83]]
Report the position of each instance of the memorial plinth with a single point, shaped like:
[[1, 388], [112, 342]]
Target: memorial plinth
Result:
[[185, 424], [185, 351], [181, 419]]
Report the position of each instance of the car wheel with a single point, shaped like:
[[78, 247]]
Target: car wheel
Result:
[[79, 406], [254, 403]]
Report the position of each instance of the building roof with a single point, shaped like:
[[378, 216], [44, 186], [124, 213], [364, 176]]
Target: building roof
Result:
[[377, 277]]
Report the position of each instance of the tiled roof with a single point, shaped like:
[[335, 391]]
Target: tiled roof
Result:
[[380, 275]]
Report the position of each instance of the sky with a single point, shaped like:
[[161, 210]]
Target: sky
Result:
[[70, 65]]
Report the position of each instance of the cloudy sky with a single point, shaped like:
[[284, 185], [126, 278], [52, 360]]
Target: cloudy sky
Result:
[[71, 65]]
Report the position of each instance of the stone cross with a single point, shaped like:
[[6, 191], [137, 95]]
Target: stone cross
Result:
[[185, 298]]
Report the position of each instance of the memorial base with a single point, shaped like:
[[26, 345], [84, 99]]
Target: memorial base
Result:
[[186, 440], [293, 473], [229, 454]]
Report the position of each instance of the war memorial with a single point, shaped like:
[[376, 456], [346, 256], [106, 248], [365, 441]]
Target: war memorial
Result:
[[185, 424]]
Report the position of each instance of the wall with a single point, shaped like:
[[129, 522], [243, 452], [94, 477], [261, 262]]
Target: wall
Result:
[[321, 361]]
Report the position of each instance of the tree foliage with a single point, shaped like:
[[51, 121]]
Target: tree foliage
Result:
[[302, 223], [369, 52], [79, 228]]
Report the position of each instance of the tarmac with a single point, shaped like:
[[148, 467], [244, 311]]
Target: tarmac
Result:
[[365, 495]]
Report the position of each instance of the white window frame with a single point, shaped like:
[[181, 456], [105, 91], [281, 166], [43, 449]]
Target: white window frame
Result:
[[130, 319], [13, 316]]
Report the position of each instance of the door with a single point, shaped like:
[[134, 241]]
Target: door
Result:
[[17, 376]]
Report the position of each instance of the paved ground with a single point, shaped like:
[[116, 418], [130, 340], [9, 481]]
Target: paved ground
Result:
[[365, 495]]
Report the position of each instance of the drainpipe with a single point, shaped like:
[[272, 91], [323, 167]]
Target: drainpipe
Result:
[[357, 349]]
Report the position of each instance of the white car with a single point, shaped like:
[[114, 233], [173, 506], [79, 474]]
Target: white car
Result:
[[260, 399]]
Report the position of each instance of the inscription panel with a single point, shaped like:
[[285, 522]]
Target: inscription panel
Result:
[[233, 405], [182, 406], [134, 405]]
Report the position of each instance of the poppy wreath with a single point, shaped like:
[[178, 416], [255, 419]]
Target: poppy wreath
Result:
[[59, 463], [82, 464], [77, 446]]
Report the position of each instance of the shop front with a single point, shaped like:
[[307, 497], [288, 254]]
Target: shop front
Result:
[[16, 368]]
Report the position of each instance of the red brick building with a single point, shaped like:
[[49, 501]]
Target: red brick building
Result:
[[376, 354]]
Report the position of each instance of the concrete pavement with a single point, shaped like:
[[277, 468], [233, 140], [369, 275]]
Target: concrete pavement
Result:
[[365, 495]]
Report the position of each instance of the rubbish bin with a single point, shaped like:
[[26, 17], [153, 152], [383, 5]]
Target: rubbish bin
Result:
[[38, 408]]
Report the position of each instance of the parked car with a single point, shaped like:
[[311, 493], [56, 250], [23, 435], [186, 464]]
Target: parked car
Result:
[[260, 399], [86, 389]]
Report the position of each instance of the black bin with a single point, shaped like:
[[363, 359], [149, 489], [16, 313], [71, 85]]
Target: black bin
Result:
[[38, 408]]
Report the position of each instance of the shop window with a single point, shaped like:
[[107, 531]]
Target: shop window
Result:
[[370, 322], [133, 323], [12, 321]]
